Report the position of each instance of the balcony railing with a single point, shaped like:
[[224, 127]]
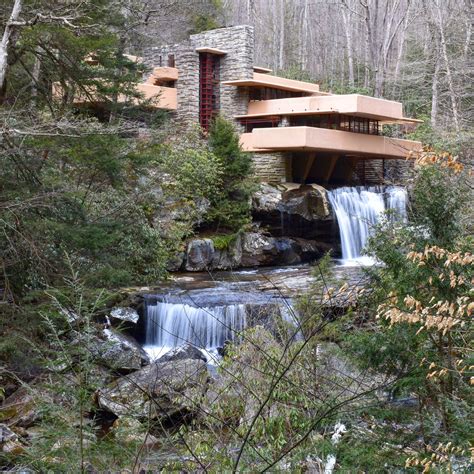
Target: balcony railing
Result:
[[326, 140], [158, 97]]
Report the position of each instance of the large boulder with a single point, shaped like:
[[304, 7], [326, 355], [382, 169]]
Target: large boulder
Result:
[[199, 255], [19, 409], [228, 258], [120, 351], [295, 210], [308, 201], [112, 349], [185, 352], [260, 250], [162, 392], [9, 443], [267, 199], [127, 315]]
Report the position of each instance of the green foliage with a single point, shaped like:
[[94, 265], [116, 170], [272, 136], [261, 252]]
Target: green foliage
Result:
[[231, 205], [68, 436], [208, 19], [223, 242], [413, 340]]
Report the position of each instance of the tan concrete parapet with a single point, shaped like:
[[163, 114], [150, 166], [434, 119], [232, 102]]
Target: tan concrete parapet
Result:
[[326, 140], [262, 70], [163, 74], [160, 97], [275, 82], [387, 111]]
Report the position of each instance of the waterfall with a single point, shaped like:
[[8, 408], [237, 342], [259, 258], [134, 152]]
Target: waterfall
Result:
[[170, 325], [358, 210]]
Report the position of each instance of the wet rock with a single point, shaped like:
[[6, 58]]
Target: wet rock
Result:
[[120, 351], [199, 255], [229, 258], [19, 409], [257, 249], [9, 442], [267, 199], [310, 202], [262, 250], [176, 263], [296, 211], [164, 392], [310, 249], [185, 352], [128, 315]]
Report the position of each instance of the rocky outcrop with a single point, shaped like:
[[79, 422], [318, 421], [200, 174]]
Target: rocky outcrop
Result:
[[120, 351], [259, 249], [252, 249], [9, 442], [162, 391], [19, 409], [112, 349], [298, 226], [295, 210], [199, 255]]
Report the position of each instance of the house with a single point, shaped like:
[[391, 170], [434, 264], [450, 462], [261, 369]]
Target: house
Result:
[[296, 132]]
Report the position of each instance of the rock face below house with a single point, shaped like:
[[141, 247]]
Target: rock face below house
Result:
[[294, 224], [251, 249], [294, 210]]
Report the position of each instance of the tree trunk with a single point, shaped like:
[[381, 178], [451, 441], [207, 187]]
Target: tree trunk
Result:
[[434, 94], [348, 35], [35, 75], [449, 77], [5, 43], [281, 48]]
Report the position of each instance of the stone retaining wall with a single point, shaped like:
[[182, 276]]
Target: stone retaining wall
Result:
[[272, 167]]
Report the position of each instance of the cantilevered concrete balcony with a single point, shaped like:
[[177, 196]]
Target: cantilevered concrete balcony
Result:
[[159, 97], [260, 80], [293, 139], [163, 74], [386, 111]]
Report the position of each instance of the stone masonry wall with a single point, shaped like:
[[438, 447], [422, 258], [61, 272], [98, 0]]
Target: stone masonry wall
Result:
[[237, 42], [272, 167], [397, 171]]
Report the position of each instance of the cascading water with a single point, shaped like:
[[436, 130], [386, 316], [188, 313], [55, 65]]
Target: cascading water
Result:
[[358, 210], [170, 325]]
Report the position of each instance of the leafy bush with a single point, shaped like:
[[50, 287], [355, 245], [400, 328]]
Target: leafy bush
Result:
[[422, 302]]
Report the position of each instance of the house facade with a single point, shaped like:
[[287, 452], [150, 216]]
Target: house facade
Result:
[[296, 132]]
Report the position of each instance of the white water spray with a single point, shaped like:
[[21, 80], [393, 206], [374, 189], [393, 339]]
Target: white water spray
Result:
[[170, 325], [358, 210]]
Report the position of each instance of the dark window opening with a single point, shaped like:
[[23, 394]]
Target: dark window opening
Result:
[[346, 123], [266, 122], [171, 62], [209, 82], [164, 83], [268, 93]]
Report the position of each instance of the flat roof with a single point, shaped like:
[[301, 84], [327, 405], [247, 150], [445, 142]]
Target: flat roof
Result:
[[219, 52], [385, 111], [262, 70], [275, 82]]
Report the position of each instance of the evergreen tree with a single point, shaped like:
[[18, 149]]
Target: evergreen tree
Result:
[[231, 206]]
